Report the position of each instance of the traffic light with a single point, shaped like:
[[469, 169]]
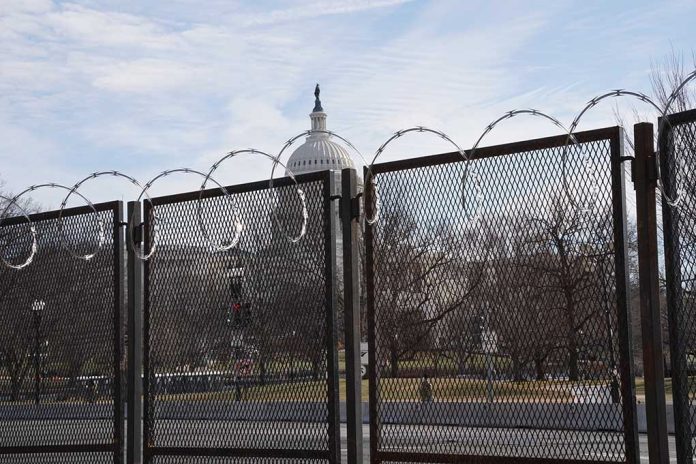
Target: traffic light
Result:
[[240, 315], [236, 314]]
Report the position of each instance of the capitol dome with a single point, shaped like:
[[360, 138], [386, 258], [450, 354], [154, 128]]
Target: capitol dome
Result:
[[318, 152]]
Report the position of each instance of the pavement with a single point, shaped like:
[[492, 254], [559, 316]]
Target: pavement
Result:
[[406, 438]]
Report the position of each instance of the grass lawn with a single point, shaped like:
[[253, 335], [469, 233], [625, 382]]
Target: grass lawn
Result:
[[444, 389], [640, 389], [425, 362]]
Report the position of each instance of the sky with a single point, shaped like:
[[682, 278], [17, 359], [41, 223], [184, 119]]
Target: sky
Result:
[[141, 87]]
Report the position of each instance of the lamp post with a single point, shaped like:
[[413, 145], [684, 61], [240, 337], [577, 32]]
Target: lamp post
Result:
[[488, 342], [612, 371], [292, 357], [37, 309]]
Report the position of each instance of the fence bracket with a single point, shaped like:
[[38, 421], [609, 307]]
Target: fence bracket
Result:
[[355, 206]]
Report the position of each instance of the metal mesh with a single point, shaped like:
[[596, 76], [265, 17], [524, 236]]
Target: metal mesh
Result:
[[237, 341], [680, 260], [59, 328], [227, 460], [59, 458], [498, 335]]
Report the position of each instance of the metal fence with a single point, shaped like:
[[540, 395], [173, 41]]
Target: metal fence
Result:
[[498, 323], [679, 145], [61, 339], [496, 307], [240, 347]]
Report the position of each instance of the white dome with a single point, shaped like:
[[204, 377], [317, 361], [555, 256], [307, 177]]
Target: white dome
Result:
[[319, 153]]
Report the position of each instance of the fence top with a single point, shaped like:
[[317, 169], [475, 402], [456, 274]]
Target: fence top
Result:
[[682, 117], [607, 133], [67, 212], [242, 188]]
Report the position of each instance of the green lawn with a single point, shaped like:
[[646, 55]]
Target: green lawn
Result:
[[442, 365], [444, 389]]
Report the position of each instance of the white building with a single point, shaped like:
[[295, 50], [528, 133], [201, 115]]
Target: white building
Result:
[[319, 152]]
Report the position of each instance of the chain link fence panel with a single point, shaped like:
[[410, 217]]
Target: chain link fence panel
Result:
[[61, 355], [240, 346], [498, 323]]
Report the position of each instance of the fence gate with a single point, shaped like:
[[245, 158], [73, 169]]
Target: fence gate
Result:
[[679, 144], [240, 356], [498, 317], [60, 338]]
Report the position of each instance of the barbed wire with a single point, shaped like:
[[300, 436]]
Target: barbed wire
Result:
[[276, 161], [32, 228], [308, 133], [101, 238], [672, 202], [153, 223], [398, 134], [540, 114], [470, 177]]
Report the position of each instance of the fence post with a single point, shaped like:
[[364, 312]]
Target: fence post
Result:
[[645, 182], [678, 354], [120, 277], [135, 348], [331, 272], [350, 215]]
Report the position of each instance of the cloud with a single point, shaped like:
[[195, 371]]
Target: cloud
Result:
[[314, 9], [143, 87]]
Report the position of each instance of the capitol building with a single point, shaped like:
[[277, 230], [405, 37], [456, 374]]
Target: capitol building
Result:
[[318, 152]]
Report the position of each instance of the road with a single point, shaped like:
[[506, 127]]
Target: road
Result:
[[415, 438]]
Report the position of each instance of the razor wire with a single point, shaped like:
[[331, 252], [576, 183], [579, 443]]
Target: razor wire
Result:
[[153, 237], [398, 134], [95, 175], [470, 177], [618, 93], [100, 223], [238, 225], [307, 133], [672, 202], [535, 113], [32, 228]]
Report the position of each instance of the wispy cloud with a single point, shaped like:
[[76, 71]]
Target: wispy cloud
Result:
[[315, 9], [139, 87]]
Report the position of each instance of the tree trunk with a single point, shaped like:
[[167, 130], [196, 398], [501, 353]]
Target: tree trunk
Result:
[[262, 372], [461, 363], [539, 368], [315, 369], [573, 371], [394, 362], [517, 369], [15, 387]]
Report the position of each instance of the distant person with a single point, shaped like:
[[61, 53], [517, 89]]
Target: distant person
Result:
[[237, 389], [92, 390], [425, 389]]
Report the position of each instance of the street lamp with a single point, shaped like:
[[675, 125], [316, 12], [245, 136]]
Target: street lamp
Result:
[[292, 357], [614, 381], [37, 309], [487, 342]]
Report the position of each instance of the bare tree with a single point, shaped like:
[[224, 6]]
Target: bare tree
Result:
[[522, 305], [17, 342], [666, 76], [423, 277], [561, 239]]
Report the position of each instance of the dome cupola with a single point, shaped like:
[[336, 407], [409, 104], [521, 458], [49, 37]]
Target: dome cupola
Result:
[[318, 152]]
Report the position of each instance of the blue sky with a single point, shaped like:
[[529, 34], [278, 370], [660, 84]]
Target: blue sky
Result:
[[146, 86]]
